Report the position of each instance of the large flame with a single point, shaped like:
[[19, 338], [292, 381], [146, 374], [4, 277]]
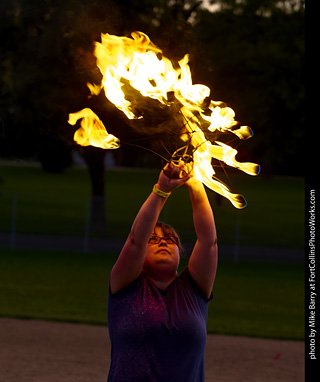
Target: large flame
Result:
[[138, 62]]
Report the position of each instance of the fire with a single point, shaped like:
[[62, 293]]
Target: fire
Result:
[[92, 131], [139, 63]]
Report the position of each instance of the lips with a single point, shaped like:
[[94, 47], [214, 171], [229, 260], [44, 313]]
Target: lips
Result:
[[164, 250]]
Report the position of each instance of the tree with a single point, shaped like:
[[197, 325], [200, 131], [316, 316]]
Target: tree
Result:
[[43, 80], [254, 61]]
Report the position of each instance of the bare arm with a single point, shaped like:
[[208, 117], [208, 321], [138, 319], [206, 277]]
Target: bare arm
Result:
[[130, 261], [203, 260]]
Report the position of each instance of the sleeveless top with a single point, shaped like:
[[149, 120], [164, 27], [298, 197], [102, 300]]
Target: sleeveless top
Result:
[[158, 335]]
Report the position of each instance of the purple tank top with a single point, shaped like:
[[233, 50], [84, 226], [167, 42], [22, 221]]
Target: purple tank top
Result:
[[156, 335]]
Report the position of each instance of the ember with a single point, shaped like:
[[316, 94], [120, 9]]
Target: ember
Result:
[[133, 70]]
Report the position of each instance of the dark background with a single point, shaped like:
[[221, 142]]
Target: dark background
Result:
[[250, 54]]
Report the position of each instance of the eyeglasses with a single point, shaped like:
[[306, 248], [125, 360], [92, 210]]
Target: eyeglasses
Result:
[[169, 239]]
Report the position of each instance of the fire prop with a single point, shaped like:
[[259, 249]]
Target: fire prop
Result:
[[134, 70]]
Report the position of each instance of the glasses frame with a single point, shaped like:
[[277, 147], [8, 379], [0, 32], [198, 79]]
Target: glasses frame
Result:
[[157, 239]]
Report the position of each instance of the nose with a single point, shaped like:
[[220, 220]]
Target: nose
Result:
[[163, 242]]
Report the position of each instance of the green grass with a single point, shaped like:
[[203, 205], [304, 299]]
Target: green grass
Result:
[[54, 285], [56, 204], [258, 299], [250, 298]]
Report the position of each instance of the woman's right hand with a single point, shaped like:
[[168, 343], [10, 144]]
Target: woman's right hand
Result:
[[173, 176]]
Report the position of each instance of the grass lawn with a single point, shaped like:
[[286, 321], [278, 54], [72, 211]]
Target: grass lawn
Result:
[[56, 204], [250, 298]]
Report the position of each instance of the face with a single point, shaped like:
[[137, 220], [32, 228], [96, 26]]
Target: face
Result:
[[163, 255]]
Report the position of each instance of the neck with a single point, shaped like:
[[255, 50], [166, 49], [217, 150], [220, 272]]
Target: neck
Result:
[[161, 282]]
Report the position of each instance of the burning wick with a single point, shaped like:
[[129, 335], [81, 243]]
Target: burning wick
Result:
[[134, 70]]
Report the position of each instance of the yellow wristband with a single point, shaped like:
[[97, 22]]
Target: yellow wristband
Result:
[[161, 193]]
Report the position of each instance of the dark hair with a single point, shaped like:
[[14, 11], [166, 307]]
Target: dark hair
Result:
[[168, 230]]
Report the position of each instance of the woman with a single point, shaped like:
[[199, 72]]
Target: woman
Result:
[[157, 319]]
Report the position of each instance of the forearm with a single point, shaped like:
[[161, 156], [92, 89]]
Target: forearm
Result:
[[203, 218], [130, 261], [150, 210], [203, 260], [146, 219]]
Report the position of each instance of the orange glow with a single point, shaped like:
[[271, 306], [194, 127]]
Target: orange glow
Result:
[[138, 62]]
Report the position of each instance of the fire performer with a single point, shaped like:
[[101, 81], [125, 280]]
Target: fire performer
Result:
[[156, 318]]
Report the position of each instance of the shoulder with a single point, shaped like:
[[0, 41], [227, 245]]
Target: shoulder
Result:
[[187, 280]]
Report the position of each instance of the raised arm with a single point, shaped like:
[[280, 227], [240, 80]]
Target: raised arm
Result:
[[130, 261], [203, 260]]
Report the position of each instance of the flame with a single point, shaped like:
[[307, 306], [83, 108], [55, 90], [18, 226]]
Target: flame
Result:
[[138, 62], [92, 131]]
